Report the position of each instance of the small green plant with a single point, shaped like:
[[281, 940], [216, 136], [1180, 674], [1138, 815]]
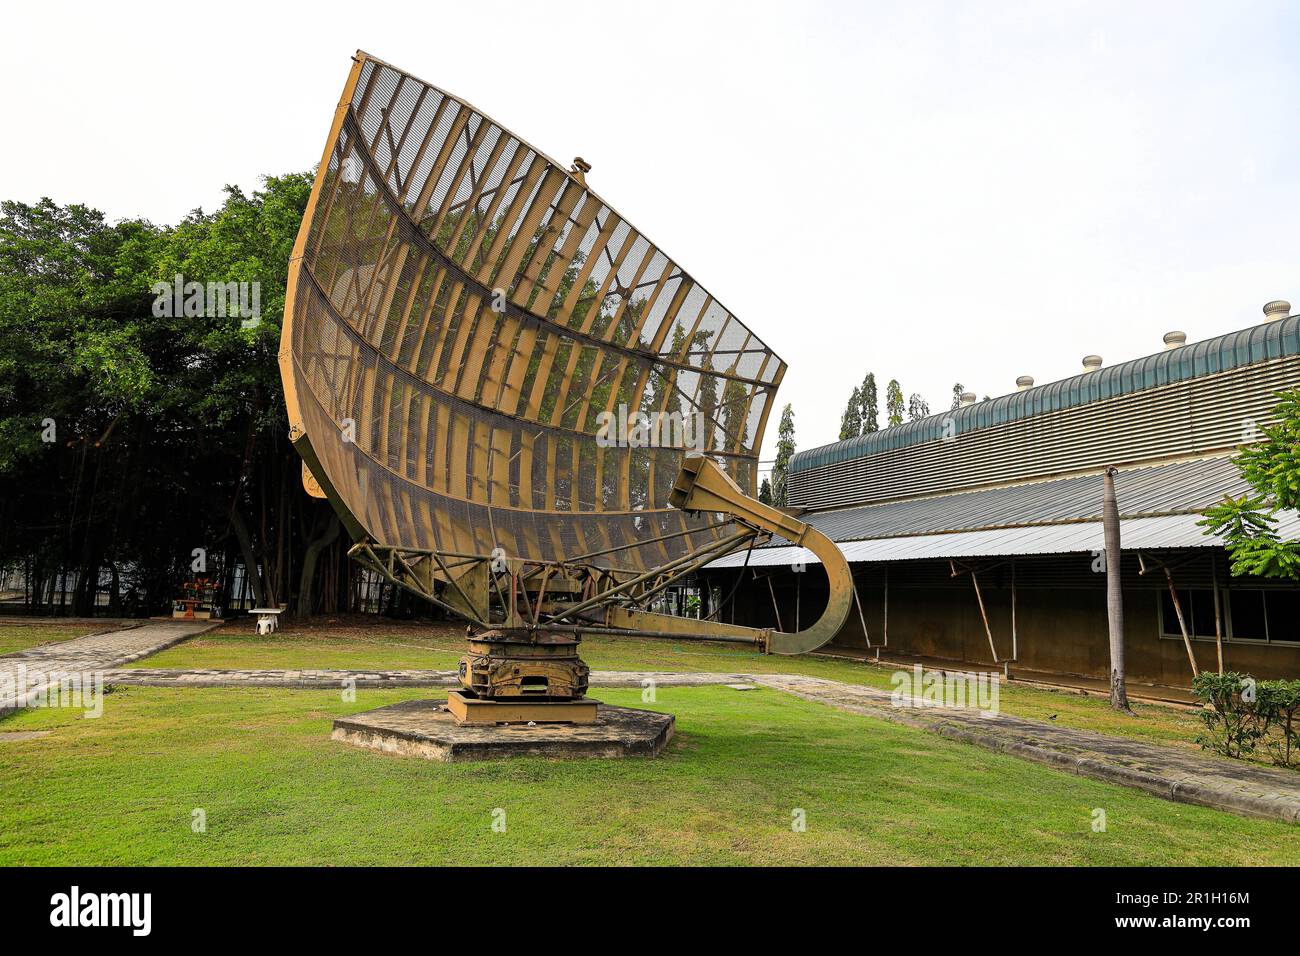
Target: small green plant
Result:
[[1279, 703], [1240, 714], [1229, 714]]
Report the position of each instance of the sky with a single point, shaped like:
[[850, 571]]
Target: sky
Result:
[[936, 192]]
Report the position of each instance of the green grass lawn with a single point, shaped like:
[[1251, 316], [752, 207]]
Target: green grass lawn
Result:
[[277, 790], [397, 645], [20, 637]]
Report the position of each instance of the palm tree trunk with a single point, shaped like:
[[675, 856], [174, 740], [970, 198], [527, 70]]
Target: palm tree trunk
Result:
[[1114, 593]]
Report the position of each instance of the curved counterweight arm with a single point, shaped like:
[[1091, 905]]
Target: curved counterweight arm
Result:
[[702, 486]]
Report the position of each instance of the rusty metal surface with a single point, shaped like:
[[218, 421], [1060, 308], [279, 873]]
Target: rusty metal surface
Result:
[[524, 664]]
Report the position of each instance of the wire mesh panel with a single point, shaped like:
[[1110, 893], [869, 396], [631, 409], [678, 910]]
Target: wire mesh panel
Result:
[[482, 353]]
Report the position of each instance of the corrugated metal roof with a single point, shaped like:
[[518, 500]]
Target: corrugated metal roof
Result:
[[1161, 489], [1159, 506], [1166, 531]]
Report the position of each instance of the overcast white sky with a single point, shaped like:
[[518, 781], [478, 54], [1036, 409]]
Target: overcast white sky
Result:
[[932, 191]]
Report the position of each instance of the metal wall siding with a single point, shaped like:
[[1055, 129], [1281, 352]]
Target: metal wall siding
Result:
[[1258, 344], [1197, 416]]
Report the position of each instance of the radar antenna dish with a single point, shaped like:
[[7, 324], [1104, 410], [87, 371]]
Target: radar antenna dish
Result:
[[496, 379]]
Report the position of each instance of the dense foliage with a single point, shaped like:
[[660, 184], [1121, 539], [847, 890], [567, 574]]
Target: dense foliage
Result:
[[894, 403], [1271, 467], [851, 419], [785, 448], [130, 438], [862, 413], [1241, 715]]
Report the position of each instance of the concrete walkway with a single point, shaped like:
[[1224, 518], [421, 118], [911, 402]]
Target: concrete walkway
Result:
[[30, 671], [1181, 776]]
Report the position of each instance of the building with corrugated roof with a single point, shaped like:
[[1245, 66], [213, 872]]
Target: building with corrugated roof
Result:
[[975, 535]]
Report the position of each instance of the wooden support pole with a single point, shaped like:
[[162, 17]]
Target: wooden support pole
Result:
[[974, 579], [862, 618], [775, 610], [886, 621], [1218, 614], [1015, 643], [1182, 623], [798, 590]]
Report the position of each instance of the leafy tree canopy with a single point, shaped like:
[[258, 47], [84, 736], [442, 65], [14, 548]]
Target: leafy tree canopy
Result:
[[1248, 523], [851, 420], [894, 402], [784, 452], [132, 434]]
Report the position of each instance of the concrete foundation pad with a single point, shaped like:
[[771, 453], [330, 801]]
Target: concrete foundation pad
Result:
[[425, 728]]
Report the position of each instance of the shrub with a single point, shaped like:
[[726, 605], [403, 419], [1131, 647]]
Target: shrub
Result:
[[1279, 704], [1240, 714], [1229, 714]]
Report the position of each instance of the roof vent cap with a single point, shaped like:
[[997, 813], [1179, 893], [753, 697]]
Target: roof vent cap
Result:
[[1024, 382], [1277, 309], [967, 398], [1175, 339], [1091, 363]]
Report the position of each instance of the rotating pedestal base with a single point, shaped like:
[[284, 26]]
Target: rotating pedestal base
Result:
[[515, 663]]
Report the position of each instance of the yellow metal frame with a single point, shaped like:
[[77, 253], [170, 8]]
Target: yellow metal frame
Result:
[[460, 309]]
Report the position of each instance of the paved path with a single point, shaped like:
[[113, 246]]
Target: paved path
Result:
[[30, 670], [1182, 776]]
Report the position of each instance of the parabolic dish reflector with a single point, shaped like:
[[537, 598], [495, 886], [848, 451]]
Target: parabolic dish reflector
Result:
[[462, 310]]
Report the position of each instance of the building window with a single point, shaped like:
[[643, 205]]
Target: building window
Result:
[[1247, 616]]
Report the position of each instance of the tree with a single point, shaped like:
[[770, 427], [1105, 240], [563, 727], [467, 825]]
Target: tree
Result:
[[894, 402], [735, 430], [957, 391], [132, 436], [870, 414], [74, 370], [917, 407], [765, 492], [1114, 593], [851, 420], [1247, 524], [784, 452]]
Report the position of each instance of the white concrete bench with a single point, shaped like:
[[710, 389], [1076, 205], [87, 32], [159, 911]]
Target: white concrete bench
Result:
[[268, 618]]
